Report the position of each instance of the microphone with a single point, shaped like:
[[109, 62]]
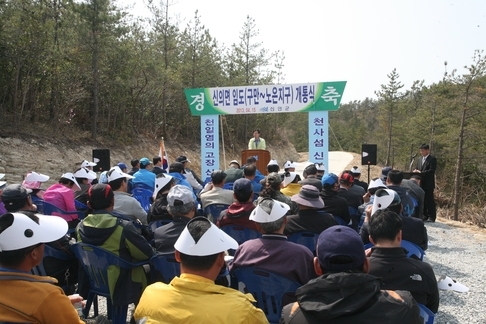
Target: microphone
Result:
[[414, 156]]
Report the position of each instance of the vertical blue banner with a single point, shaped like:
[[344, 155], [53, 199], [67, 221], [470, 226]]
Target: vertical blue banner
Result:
[[209, 145], [319, 138]]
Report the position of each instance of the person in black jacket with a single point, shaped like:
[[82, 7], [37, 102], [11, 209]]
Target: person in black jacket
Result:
[[426, 167], [389, 261], [413, 229], [344, 292], [333, 204]]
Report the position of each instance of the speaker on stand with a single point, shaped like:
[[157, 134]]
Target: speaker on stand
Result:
[[368, 156]]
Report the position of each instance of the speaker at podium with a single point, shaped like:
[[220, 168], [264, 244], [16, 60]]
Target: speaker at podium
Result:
[[262, 157]]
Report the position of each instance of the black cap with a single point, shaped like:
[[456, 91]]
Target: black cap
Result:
[[14, 192], [182, 159], [176, 167], [100, 196]]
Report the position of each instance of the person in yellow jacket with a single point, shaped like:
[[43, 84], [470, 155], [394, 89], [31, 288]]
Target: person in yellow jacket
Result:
[[194, 297], [27, 298], [256, 142], [291, 184]]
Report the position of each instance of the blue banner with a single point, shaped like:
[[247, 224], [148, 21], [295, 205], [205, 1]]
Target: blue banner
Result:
[[209, 145], [319, 138]]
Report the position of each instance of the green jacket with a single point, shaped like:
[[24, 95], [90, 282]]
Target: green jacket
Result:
[[120, 237]]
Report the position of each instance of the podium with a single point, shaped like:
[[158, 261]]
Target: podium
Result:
[[407, 175], [262, 157]]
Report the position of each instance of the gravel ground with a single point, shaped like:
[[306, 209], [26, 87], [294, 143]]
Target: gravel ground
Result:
[[458, 251]]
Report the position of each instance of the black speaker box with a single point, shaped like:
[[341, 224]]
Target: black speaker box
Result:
[[104, 156], [368, 154]]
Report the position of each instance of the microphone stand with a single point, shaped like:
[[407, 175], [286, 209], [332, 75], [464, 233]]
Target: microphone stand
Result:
[[412, 160]]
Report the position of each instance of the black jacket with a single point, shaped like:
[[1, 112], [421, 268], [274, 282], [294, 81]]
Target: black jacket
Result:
[[427, 172], [166, 236], [334, 204], [349, 298], [158, 210], [309, 220], [413, 230], [400, 272]]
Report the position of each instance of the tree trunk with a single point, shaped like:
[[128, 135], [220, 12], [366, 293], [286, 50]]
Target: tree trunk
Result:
[[458, 173], [96, 84]]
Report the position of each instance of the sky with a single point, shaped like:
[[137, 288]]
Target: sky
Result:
[[358, 41]]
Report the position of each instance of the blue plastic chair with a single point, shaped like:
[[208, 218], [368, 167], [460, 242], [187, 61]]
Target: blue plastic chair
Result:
[[307, 239], [427, 315], [165, 265], [143, 197], [413, 250], [214, 210], [80, 206], [158, 223], [240, 234], [339, 220], [228, 186], [270, 290], [50, 209], [95, 262], [38, 202], [49, 251]]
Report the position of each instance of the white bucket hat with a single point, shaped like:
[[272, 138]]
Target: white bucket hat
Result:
[[85, 164]]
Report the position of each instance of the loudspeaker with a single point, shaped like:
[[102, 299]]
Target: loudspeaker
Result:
[[368, 154], [104, 156]]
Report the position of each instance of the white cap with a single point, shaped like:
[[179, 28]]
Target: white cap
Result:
[[84, 173], [181, 193], [320, 167], [213, 241], [160, 183], [269, 210], [289, 179], [24, 231], [447, 283], [2, 183], [272, 162], [85, 164], [2, 175], [234, 161], [384, 198], [70, 176], [116, 173], [377, 183], [356, 170], [289, 164]]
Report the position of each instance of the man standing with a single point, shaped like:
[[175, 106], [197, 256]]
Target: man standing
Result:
[[157, 161], [344, 292], [256, 142], [426, 167], [194, 297]]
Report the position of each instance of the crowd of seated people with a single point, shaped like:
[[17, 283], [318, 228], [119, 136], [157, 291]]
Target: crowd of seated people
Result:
[[274, 206]]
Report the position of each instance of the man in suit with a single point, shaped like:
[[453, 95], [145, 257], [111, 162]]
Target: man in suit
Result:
[[426, 167]]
